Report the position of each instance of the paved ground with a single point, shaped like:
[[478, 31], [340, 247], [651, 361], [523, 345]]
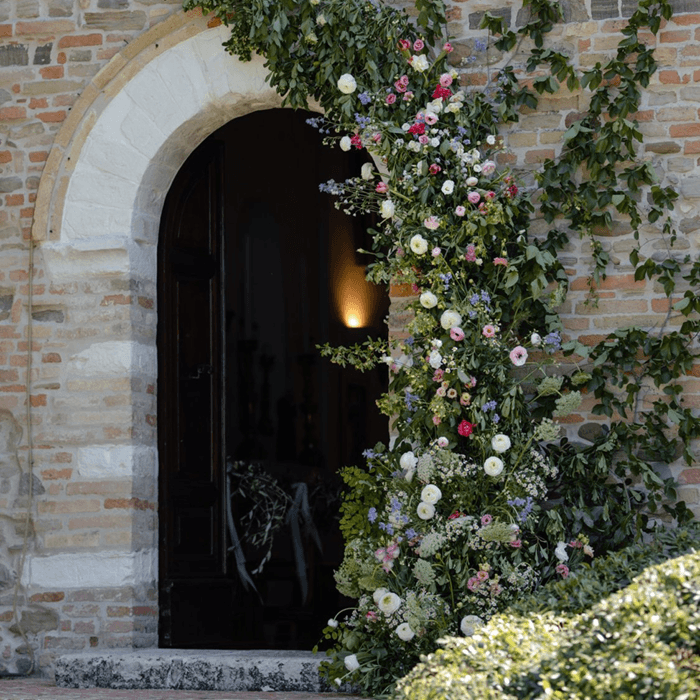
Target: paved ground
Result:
[[40, 689]]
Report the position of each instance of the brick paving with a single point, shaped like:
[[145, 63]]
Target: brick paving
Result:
[[44, 689]]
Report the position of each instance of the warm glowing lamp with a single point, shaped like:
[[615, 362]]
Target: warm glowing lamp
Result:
[[352, 321]]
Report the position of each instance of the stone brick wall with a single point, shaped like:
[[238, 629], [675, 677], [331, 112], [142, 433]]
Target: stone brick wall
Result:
[[86, 157]]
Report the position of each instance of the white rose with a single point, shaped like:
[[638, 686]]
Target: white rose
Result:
[[428, 300], [443, 441], [367, 171], [450, 319], [536, 340], [491, 140], [351, 662], [493, 466], [472, 181], [419, 245], [430, 494], [448, 187], [408, 463], [387, 209], [435, 106], [435, 359], [500, 443], [377, 595], [405, 632], [420, 63], [333, 623], [469, 624], [347, 84], [425, 511], [389, 603], [345, 143], [560, 552]]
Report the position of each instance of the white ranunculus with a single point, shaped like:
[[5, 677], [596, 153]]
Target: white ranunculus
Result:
[[347, 84], [428, 300], [536, 340], [472, 181], [435, 359], [448, 187], [425, 511], [493, 466], [491, 139], [377, 595], [419, 245], [500, 443], [450, 319], [560, 552], [367, 171], [345, 143], [469, 624], [405, 632], [387, 209], [351, 662], [408, 463], [430, 494], [333, 623], [420, 63], [435, 106], [389, 603]]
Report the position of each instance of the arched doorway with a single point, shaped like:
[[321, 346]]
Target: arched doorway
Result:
[[256, 268]]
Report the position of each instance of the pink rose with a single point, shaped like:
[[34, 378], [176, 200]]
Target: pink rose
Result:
[[445, 80], [500, 261], [434, 169], [382, 187], [562, 570], [418, 45], [390, 98], [404, 44], [460, 210], [517, 544], [456, 333], [448, 48], [474, 197], [424, 139], [518, 355]]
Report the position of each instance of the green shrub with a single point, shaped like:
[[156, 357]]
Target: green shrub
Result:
[[643, 641]]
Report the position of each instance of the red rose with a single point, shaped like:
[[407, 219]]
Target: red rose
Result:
[[465, 428], [441, 91]]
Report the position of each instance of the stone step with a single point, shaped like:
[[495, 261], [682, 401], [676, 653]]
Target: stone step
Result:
[[186, 669]]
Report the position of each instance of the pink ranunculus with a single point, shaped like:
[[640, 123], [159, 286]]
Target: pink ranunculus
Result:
[[456, 333], [517, 544], [483, 575], [500, 261], [434, 169], [470, 255], [488, 331], [408, 96], [562, 570], [460, 210], [418, 45], [437, 420], [424, 139], [474, 197], [404, 45], [438, 375], [488, 167], [518, 355], [382, 187], [486, 519], [448, 48], [435, 252], [390, 98], [430, 118], [445, 80]]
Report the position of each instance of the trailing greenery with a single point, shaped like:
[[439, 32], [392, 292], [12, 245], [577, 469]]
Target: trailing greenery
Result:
[[479, 501], [575, 639]]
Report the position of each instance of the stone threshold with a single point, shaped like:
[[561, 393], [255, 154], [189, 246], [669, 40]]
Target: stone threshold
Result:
[[193, 669]]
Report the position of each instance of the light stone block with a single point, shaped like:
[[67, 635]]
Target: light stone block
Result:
[[116, 461], [114, 358]]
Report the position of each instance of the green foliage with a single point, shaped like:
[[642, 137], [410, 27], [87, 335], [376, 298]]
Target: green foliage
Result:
[[584, 637]]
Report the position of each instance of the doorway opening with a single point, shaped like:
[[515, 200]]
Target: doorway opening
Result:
[[256, 267]]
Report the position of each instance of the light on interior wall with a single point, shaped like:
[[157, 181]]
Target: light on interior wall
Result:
[[354, 303]]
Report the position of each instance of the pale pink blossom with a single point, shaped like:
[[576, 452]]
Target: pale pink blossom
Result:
[[445, 80], [460, 210], [500, 261], [518, 355], [474, 197], [456, 333], [435, 252], [488, 331]]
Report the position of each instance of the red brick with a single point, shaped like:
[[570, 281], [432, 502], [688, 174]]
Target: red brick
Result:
[[48, 597], [689, 476], [14, 200], [56, 474], [27, 212], [401, 290], [18, 361], [61, 58], [81, 40], [38, 156], [680, 130], [84, 627], [9, 375], [5, 156], [145, 302], [52, 116], [669, 37], [61, 26], [120, 299], [691, 147], [539, 156], [686, 20], [38, 103], [135, 503], [8, 113], [213, 22], [668, 77], [38, 400], [51, 72], [5, 30], [51, 357], [62, 458]]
